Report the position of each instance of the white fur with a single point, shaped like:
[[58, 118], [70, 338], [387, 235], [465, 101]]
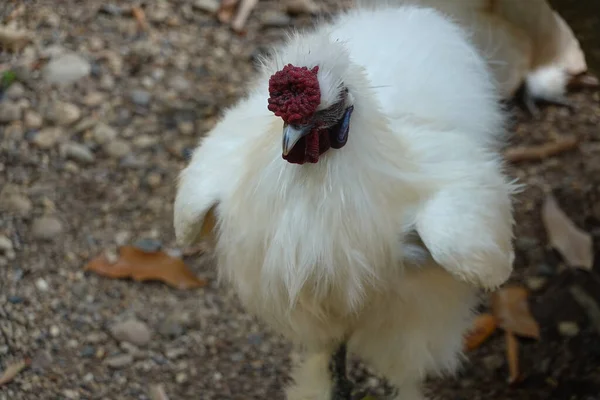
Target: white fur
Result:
[[548, 83], [326, 252]]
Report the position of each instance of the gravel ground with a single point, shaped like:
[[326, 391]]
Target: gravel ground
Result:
[[92, 137]]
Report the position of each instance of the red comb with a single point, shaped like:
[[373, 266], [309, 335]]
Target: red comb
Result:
[[294, 93]]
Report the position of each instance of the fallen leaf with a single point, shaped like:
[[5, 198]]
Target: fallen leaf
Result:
[[510, 307], [512, 355], [542, 151], [144, 266], [574, 244], [157, 392], [483, 327], [13, 370]]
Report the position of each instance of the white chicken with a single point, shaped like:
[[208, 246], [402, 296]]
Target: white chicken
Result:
[[526, 43], [358, 195]]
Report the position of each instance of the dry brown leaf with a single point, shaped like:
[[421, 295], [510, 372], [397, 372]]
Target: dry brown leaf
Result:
[[12, 371], [510, 307], [144, 266], [227, 11], [543, 151], [574, 244], [483, 327], [512, 355]]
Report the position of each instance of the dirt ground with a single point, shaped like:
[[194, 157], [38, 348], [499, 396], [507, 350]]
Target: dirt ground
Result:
[[91, 165]]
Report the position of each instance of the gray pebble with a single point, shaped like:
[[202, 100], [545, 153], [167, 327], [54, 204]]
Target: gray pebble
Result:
[[17, 204], [15, 91], [10, 111], [209, 6], [5, 244], [133, 331], [66, 68], [117, 148], [140, 97], [568, 328], [119, 361], [46, 228], [148, 245], [77, 152], [47, 138], [104, 133]]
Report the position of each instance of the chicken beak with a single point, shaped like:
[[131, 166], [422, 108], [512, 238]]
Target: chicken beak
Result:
[[292, 134]]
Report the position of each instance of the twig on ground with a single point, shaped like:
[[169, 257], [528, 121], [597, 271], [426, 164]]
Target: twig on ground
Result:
[[243, 13], [541, 152]]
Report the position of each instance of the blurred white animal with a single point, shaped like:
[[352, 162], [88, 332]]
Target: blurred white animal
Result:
[[385, 211], [526, 43]]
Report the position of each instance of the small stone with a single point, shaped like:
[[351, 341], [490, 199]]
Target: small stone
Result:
[[87, 351], [568, 329], [154, 180], [181, 377], [171, 328], [66, 113], [175, 353], [54, 331], [104, 134], [33, 120], [47, 137], [535, 283], [15, 299], [122, 237], [117, 148], [148, 245], [179, 83], [140, 97], [15, 91], [133, 331], [42, 285], [10, 112], [144, 141], [96, 43], [95, 337], [71, 394], [46, 228], [66, 69], [5, 244], [93, 99], [77, 152], [120, 361], [42, 360], [186, 127], [275, 19], [17, 204], [209, 6]]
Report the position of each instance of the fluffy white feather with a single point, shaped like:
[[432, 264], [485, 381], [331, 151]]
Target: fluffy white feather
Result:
[[327, 252]]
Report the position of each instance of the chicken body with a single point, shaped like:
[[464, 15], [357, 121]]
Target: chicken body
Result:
[[526, 43], [383, 243]]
